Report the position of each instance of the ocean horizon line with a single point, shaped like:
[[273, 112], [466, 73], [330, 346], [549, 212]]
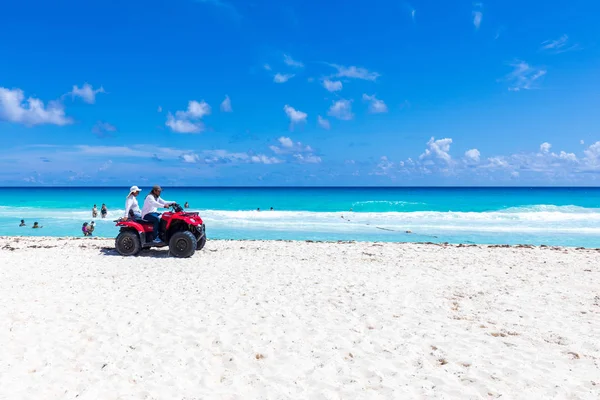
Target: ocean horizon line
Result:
[[309, 187]]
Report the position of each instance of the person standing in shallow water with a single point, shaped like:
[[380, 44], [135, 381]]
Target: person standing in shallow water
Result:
[[186, 205], [94, 211], [22, 223], [36, 226], [104, 210]]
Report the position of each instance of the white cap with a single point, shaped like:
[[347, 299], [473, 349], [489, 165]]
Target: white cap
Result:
[[134, 189]]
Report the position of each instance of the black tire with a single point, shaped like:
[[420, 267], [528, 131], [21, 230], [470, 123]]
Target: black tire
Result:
[[128, 243], [183, 244], [201, 242]]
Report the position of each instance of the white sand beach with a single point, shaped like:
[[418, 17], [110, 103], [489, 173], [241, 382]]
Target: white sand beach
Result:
[[278, 320]]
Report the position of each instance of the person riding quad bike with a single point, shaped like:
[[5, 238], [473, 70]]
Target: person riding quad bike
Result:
[[184, 232], [152, 203]]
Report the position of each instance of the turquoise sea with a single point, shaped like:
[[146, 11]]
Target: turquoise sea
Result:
[[551, 216]]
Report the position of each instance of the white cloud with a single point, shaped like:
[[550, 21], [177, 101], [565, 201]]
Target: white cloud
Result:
[[592, 155], [543, 162], [411, 10], [523, 76], [282, 78], [560, 45], [291, 62], [294, 115], [263, 159], [555, 44], [301, 153], [195, 110], [189, 121], [545, 147], [226, 105], [114, 151], [267, 67], [567, 156], [497, 162], [86, 92], [309, 158], [287, 145], [384, 167], [498, 32], [286, 142], [375, 105], [226, 157], [332, 86], [355, 72], [477, 17], [159, 109], [190, 158], [341, 109], [105, 166], [581, 141], [14, 108], [472, 155], [103, 129], [183, 125], [438, 149], [277, 150], [323, 123]]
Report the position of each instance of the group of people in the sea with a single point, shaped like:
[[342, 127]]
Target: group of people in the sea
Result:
[[88, 229], [132, 209], [103, 211], [35, 224], [148, 212]]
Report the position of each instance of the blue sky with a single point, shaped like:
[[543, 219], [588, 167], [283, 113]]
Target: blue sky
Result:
[[227, 92]]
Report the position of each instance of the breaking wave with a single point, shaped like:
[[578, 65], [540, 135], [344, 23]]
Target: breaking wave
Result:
[[527, 219]]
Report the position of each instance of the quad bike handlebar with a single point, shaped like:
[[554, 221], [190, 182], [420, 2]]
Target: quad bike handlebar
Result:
[[176, 207]]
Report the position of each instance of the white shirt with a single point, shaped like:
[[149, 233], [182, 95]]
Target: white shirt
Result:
[[132, 204], [151, 204]]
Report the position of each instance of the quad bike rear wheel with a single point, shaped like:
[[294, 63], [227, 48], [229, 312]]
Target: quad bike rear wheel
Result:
[[183, 244], [128, 243]]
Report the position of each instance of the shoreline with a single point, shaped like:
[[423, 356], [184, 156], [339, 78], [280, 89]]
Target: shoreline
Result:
[[440, 244], [274, 319]]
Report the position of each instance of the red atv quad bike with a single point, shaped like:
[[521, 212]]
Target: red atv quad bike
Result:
[[183, 231]]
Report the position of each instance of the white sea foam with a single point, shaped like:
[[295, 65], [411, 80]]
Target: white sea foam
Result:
[[529, 219], [386, 202]]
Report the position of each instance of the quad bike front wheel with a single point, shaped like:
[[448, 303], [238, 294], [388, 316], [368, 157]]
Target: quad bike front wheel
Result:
[[201, 242], [201, 237], [183, 244], [128, 243]]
